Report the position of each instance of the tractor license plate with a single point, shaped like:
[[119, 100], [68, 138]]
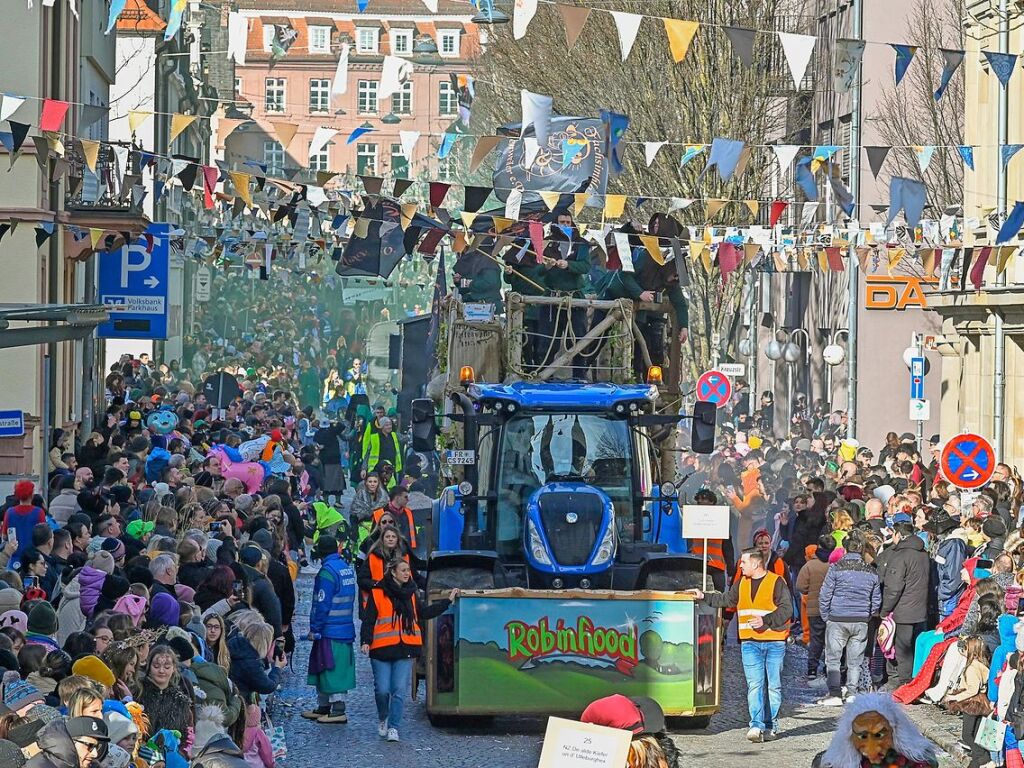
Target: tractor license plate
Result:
[[460, 458]]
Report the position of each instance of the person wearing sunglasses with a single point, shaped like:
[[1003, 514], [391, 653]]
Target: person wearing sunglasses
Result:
[[78, 741]]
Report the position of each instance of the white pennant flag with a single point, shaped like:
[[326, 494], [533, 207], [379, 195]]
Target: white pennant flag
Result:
[[408, 139], [679, 204], [431, 5], [786, 154], [622, 246], [10, 106], [121, 155], [531, 148], [522, 14], [798, 50], [393, 74], [651, 150], [807, 215], [513, 203], [320, 138], [536, 112], [238, 34], [340, 84], [628, 24]]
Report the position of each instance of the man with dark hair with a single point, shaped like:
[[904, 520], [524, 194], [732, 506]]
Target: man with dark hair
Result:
[[904, 573], [80, 536], [850, 596], [764, 608], [113, 476]]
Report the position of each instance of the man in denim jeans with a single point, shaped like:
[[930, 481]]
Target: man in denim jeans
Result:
[[764, 608], [850, 596]]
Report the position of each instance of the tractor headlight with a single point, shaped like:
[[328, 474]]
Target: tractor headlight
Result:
[[606, 551], [540, 554]]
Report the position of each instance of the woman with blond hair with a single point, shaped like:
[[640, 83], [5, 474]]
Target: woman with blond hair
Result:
[[250, 650]]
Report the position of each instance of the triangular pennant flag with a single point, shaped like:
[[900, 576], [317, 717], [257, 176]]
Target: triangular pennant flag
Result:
[[741, 164], [523, 12], [358, 131], [651, 150], [728, 259], [321, 136], [94, 236], [116, 7], [753, 206], [680, 34], [876, 156], [623, 250], [953, 59], [924, 156], [438, 190], [725, 155], [614, 206], [580, 200], [475, 198], [136, 118], [679, 204], [10, 105], [501, 224], [863, 252], [822, 260], [1012, 224], [179, 123], [835, 259], [550, 198], [90, 114], [409, 139], [1004, 258], [340, 83], [691, 151], [42, 151], [798, 50], [408, 212], [60, 167], [978, 270], [401, 187], [904, 56], [653, 246], [211, 174], [536, 229], [285, 131], [712, 208], [1002, 65], [1007, 151], [785, 154], [967, 155], [849, 54], [750, 251], [372, 184], [777, 207], [240, 181], [574, 17], [742, 40], [627, 24], [394, 72], [468, 217], [91, 153], [44, 231], [928, 262], [696, 249], [536, 112], [226, 126], [19, 132], [531, 148], [52, 115], [484, 146]]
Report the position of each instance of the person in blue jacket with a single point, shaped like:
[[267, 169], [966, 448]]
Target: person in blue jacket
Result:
[[332, 664]]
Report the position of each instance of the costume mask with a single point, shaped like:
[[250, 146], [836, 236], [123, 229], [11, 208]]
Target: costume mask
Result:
[[872, 736]]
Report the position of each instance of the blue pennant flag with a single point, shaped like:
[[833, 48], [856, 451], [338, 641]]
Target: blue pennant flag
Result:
[[1002, 65], [446, 145], [725, 155], [7, 139], [953, 59], [967, 153], [690, 152], [362, 4], [115, 10], [360, 131], [805, 179], [174, 20], [825, 152], [904, 55], [1012, 224], [616, 125], [158, 189], [1007, 151]]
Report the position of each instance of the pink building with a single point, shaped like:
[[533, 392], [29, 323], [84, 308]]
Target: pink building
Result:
[[298, 87]]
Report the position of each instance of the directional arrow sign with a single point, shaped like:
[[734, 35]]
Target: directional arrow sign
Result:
[[151, 281], [133, 282], [968, 461]]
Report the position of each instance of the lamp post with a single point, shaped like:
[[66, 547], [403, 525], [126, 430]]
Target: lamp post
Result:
[[834, 355]]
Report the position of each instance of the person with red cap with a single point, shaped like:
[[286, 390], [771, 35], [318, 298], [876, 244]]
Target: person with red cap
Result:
[[651, 746], [21, 519]]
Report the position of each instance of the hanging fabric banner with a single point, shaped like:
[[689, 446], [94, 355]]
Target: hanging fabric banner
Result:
[[1012, 224], [536, 110], [522, 14], [908, 195], [847, 66], [340, 84], [238, 34], [725, 154], [116, 7], [174, 19], [953, 59], [904, 56], [321, 136], [1002, 65]]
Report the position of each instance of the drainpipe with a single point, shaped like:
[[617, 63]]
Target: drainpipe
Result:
[[852, 267], [999, 335]]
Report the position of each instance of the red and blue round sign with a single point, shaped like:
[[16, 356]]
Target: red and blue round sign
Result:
[[968, 461], [714, 387]]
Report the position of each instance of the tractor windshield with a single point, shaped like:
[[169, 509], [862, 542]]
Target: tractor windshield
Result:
[[560, 447]]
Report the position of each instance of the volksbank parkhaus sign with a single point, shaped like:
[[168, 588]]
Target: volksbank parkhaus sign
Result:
[[133, 284]]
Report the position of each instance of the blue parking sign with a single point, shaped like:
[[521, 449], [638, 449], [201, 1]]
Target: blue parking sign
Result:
[[133, 284]]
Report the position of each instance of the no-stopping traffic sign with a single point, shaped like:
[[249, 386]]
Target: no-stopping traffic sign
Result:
[[968, 461], [714, 387]]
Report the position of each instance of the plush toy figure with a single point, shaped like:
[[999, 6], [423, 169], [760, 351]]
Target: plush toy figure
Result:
[[875, 732], [251, 473], [163, 422]]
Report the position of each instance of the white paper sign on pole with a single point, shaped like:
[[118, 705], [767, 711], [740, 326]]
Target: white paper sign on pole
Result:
[[705, 522]]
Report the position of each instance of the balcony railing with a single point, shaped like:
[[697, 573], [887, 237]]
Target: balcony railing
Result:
[[109, 187]]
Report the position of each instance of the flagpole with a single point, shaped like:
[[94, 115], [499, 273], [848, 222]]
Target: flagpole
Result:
[[999, 374], [852, 265]]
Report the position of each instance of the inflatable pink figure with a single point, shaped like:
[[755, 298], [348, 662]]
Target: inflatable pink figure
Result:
[[251, 473]]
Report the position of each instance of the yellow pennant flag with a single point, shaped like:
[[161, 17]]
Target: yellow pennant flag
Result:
[[408, 211], [680, 34], [241, 183], [1005, 252], [95, 235], [468, 218], [614, 206], [501, 224], [705, 257], [285, 131], [550, 199], [750, 251], [653, 247], [753, 206], [802, 260], [179, 123], [579, 202], [822, 260], [696, 248], [91, 152], [709, 235], [895, 256], [781, 264], [136, 118], [362, 228], [713, 207]]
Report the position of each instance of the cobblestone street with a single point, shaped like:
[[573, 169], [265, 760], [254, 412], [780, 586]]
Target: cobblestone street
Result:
[[515, 743]]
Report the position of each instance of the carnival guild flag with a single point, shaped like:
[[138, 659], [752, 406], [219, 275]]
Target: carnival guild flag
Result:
[[847, 66]]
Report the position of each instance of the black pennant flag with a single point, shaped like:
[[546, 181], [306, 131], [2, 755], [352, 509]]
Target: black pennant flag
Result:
[[401, 186], [876, 156], [475, 197]]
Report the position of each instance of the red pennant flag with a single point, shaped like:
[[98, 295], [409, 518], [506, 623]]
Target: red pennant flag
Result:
[[210, 176], [978, 270], [728, 259], [52, 115], [537, 237], [835, 259], [438, 190], [778, 206], [429, 243]]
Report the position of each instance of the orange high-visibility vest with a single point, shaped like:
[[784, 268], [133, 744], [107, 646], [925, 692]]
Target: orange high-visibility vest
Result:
[[377, 566], [378, 513], [716, 554], [388, 629], [762, 604]]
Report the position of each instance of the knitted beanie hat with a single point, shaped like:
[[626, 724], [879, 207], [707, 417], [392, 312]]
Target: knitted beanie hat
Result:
[[42, 619], [18, 693], [93, 668]]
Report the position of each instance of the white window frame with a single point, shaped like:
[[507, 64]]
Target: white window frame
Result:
[[402, 99], [320, 39], [322, 104], [268, 36], [271, 151], [321, 161], [367, 46], [445, 169], [403, 34], [272, 105], [446, 93], [367, 89], [449, 35], [371, 151]]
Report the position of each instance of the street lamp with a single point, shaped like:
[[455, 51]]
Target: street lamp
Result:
[[486, 13], [834, 355], [792, 354]]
